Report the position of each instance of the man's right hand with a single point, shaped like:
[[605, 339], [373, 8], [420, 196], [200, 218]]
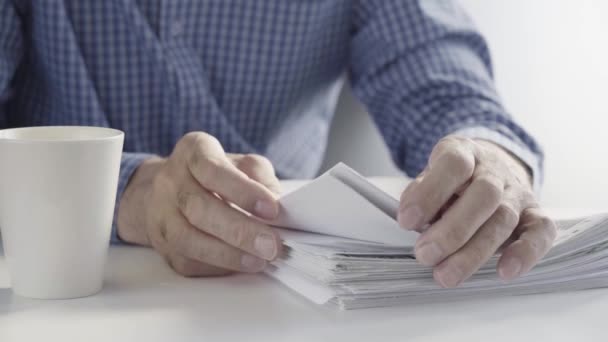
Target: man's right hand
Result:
[[183, 206]]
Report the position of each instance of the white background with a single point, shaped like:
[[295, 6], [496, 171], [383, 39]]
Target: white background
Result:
[[551, 66]]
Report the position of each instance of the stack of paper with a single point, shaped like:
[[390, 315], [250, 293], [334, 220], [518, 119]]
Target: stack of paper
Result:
[[344, 247]]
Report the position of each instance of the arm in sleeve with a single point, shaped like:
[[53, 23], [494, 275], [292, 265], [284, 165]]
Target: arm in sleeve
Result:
[[424, 72], [129, 163]]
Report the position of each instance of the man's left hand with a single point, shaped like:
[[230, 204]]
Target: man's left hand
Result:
[[474, 199]]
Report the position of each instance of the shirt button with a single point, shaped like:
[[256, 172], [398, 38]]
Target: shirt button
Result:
[[177, 28]]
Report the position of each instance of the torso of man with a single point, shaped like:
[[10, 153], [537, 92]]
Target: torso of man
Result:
[[261, 76]]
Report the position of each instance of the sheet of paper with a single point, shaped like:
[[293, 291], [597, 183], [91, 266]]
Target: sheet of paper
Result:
[[316, 292], [363, 259], [329, 206], [358, 274]]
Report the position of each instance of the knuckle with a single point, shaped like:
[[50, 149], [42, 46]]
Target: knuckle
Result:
[[242, 237], [208, 169], [185, 142], [529, 198], [204, 141], [216, 255], [466, 141], [410, 189], [241, 234], [190, 141], [195, 139], [546, 222], [459, 141], [492, 186], [461, 162], [455, 237], [184, 203], [506, 216], [163, 182], [206, 212], [494, 236], [474, 256], [549, 227], [195, 158], [191, 137], [256, 160], [195, 207], [532, 245], [447, 142], [207, 140]]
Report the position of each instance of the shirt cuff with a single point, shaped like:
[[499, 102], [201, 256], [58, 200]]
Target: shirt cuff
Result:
[[129, 163], [501, 136]]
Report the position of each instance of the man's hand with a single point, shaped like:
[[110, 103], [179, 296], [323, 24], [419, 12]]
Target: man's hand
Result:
[[473, 199], [183, 207]]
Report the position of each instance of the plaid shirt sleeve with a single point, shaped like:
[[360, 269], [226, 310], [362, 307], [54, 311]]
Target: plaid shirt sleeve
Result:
[[129, 163], [424, 72]]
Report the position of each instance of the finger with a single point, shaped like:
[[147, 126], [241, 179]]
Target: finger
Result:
[[192, 268], [209, 165], [441, 211], [536, 235], [487, 240], [450, 167], [484, 243], [215, 217], [260, 169], [186, 240], [520, 200], [461, 221]]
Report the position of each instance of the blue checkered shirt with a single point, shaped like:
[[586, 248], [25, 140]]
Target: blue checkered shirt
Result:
[[261, 76]]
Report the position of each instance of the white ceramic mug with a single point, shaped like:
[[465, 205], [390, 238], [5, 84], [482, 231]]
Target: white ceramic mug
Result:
[[57, 193]]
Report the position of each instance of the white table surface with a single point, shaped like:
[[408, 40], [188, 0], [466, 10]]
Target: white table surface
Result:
[[144, 299]]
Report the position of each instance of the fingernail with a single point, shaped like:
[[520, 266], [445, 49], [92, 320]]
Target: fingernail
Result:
[[251, 263], [266, 246], [449, 277], [429, 254], [510, 269], [266, 209], [410, 218]]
